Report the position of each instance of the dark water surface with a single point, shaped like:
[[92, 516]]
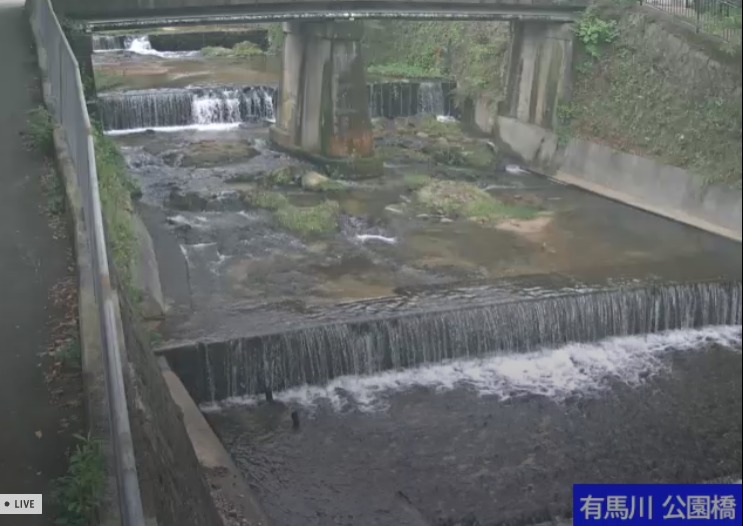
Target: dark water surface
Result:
[[432, 455]]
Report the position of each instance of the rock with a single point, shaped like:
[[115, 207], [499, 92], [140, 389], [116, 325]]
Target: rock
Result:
[[314, 181], [423, 216], [446, 220], [422, 135]]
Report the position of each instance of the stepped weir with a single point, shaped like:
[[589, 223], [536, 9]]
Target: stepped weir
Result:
[[316, 353]]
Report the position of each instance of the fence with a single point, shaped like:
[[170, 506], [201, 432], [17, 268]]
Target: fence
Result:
[[719, 18], [68, 108]]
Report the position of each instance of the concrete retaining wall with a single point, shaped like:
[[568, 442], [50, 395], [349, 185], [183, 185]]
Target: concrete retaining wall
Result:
[[637, 181]]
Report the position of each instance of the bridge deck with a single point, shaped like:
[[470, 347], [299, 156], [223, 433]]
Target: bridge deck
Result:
[[123, 14]]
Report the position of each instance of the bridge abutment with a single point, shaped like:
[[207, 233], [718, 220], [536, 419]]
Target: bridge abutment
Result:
[[323, 109], [539, 71]]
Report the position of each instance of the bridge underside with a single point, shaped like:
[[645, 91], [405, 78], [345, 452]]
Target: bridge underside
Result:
[[116, 14]]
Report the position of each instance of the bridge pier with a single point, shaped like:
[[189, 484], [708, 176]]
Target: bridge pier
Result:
[[323, 110], [539, 71]]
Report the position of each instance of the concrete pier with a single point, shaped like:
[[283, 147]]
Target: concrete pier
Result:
[[539, 71], [323, 110]]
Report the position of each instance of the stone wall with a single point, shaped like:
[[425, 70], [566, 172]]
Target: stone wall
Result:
[[174, 488]]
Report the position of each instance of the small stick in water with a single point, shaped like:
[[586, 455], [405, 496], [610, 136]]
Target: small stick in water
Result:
[[295, 419], [269, 395]]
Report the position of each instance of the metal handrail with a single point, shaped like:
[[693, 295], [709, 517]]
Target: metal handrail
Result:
[[69, 109], [717, 18]]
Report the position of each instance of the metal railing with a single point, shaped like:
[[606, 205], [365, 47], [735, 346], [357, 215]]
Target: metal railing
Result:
[[718, 18], [69, 110]]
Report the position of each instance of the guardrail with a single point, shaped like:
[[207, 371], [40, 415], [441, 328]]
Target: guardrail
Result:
[[70, 112], [718, 18]]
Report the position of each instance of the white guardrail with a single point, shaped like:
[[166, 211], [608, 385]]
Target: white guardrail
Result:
[[70, 112]]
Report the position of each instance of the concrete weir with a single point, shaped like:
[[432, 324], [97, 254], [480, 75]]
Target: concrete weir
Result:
[[485, 322], [323, 109]]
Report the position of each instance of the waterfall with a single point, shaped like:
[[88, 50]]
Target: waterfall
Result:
[[406, 99], [317, 354], [134, 110], [103, 43], [431, 98]]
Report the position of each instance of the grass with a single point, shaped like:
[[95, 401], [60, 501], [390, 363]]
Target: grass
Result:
[[268, 200], [458, 199], [116, 189], [449, 130], [239, 50], [41, 130], [415, 181], [319, 219], [78, 493], [402, 70]]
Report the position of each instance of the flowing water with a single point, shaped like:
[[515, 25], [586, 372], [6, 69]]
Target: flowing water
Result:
[[317, 354], [442, 372], [495, 441], [138, 110]]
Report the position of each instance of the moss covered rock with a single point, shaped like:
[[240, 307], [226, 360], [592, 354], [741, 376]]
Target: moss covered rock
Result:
[[457, 199], [310, 220]]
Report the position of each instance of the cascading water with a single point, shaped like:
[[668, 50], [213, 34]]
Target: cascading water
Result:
[[104, 43], [135, 110], [316, 354], [406, 99], [431, 98]]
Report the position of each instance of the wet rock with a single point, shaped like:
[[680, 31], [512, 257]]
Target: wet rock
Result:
[[314, 181], [204, 154], [188, 201], [446, 220]]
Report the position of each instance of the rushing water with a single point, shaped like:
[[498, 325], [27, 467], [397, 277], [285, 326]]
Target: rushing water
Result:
[[134, 110], [495, 441], [315, 355]]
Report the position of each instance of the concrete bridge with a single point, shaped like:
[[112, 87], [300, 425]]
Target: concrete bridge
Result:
[[323, 110]]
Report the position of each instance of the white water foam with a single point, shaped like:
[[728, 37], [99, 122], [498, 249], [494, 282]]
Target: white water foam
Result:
[[141, 46], [576, 369], [220, 126], [376, 237]]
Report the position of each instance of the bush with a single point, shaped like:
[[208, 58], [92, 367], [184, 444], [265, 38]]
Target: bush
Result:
[[268, 200], [594, 32], [239, 50], [78, 493]]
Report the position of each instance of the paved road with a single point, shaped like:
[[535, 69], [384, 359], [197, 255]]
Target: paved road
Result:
[[31, 262]]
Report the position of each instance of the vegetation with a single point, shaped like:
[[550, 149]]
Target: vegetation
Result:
[[78, 493], [473, 52], [116, 190], [415, 181], [239, 50], [399, 70], [457, 199], [70, 355], [630, 98], [319, 219], [268, 200], [595, 33], [41, 130]]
